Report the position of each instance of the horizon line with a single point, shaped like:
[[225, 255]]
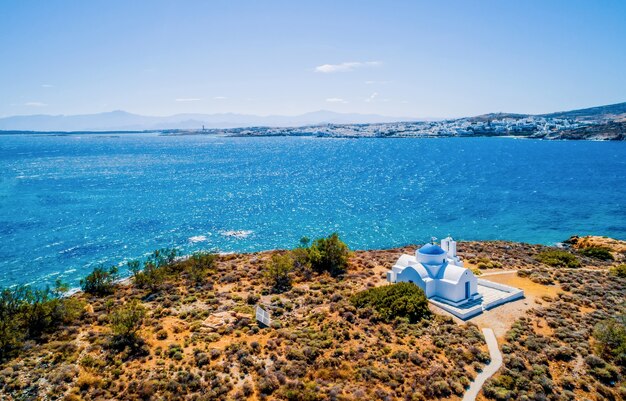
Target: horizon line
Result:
[[399, 118]]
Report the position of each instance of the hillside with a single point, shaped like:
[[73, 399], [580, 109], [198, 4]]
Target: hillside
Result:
[[611, 130], [598, 123], [600, 113], [199, 339]]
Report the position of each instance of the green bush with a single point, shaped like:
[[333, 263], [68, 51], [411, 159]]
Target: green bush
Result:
[[164, 257], [155, 269], [100, 281], [402, 300], [277, 272], [252, 299], [597, 252], [151, 277], [486, 263], [199, 265], [610, 336], [302, 261], [47, 308], [12, 332], [558, 258], [26, 313], [329, 255], [126, 322], [619, 271]]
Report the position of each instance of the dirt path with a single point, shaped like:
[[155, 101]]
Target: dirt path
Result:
[[489, 370]]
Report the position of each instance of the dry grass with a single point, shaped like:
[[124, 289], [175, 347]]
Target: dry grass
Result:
[[202, 343]]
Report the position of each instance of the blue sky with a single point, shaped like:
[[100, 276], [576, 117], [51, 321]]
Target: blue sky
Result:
[[397, 58]]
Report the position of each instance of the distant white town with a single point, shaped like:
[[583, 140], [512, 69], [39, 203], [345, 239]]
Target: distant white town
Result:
[[529, 126]]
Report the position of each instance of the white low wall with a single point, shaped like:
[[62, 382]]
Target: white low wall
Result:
[[497, 286], [512, 293], [464, 314], [508, 294]]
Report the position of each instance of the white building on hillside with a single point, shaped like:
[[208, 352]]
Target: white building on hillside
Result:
[[440, 273]]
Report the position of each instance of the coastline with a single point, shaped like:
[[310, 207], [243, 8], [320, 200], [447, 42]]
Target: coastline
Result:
[[204, 332], [468, 248], [221, 134], [597, 123]]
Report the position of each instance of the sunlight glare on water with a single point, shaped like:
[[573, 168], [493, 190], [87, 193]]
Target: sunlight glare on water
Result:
[[68, 203]]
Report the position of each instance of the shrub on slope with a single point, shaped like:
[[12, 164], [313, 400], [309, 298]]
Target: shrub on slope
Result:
[[402, 300], [558, 258]]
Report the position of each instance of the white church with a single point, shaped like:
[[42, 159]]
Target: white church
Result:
[[440, 273]]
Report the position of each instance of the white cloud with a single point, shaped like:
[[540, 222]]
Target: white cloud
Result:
[[371, 97], [345, 67], [47, 86], [187, 99], [220, 97], [35, 104], [336, 100]]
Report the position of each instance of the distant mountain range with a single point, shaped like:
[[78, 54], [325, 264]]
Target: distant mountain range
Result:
[[124, 121]]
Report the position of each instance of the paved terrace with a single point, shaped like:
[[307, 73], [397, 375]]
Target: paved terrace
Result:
[[494, 294]]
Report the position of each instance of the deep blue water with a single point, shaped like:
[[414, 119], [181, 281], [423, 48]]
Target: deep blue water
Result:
[[68, 203]]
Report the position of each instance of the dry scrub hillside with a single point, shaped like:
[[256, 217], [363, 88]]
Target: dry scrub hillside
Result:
[[572, 345], [555, 351], [201, 343]]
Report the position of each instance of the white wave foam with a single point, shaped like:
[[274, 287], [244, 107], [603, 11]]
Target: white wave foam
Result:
[[238, 234], [69, 249], [197, 238]]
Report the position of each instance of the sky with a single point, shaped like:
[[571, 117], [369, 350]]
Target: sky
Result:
[[414, 58]]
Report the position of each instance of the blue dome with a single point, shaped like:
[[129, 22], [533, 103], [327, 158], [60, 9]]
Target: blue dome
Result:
[[431, 249]]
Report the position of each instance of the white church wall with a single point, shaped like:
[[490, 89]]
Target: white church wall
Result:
[[438, 275], [452, 249], [473, 283], [410, 275], [431, 289], [451, 291], [449, 245], [445, 244], [455, 292]]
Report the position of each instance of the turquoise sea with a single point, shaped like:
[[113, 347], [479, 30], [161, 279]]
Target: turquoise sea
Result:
[[68, 203]]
